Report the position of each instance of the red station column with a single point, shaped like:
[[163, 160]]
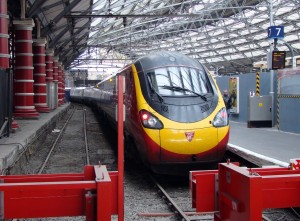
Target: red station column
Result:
[[59, 83], [63, 86], [39, 75], [4, 55], [23, 73], [55, 79], [49, 76]]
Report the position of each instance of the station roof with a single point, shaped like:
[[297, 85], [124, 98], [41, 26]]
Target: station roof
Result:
[[226, 35]]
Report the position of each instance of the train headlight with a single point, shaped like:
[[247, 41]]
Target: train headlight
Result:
[[221, 118], [149, 120]]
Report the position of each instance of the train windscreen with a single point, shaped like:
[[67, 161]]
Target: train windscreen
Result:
[[179, 81]]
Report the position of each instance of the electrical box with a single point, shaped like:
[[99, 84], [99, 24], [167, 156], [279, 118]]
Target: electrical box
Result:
[[260, 111]]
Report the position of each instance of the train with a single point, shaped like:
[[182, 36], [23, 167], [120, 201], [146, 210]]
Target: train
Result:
[[174, 111]]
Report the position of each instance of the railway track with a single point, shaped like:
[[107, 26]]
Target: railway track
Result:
[[178, 199], [75, 141], [161, 198], [70, 150]]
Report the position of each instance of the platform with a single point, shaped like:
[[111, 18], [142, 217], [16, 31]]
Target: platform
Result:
[[263, 145], [29, 129]]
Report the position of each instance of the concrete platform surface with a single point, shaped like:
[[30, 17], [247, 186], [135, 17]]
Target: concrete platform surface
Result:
[[29, 129], [268, 144]]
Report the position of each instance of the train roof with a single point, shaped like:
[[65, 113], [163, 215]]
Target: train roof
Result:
[[166, 58]]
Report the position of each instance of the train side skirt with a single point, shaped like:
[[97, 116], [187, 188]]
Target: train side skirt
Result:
[[235, 193]]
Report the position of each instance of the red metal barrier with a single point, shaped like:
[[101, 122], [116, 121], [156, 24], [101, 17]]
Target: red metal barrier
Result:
[[92, 194], [242, 194]]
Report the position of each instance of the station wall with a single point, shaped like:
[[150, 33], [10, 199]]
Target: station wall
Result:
[[247, 83], [286, 118], [289, 99]]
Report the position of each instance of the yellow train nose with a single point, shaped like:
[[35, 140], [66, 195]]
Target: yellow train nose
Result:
[[189, 141]]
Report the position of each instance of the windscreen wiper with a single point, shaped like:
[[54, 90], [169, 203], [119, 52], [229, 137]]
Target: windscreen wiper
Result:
[[160, 98], [177, 88]]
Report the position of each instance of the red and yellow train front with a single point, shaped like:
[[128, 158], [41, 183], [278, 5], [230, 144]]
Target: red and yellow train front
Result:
[[183, 145], [181, 119]]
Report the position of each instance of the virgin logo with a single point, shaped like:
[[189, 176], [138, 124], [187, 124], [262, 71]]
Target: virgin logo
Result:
[[189, 136]]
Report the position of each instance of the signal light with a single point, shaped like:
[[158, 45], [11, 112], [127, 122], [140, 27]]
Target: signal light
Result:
[[145, 116], [149, 120]]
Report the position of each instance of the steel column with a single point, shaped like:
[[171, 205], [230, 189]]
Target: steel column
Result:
[[23, 73], [39, 75], [49, 77], [4, 55], [60, 70], [121, 147], [62, 86], [49, 65], [55, 80]]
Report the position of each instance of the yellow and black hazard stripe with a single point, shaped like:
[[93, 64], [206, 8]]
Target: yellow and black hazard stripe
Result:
[[257, 92]]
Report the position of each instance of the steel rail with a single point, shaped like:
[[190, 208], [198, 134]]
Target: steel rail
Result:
[[171, 202], [85, 138], [55, 143]]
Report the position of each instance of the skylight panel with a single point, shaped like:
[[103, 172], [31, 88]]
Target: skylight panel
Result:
[[295, 16], [244, 32], [207, 28], [264, 43], [115, 9], [257, 20], [260, 36], [95, 22], [107, 28], [196, 8], [226, 22], [219, 32], [192, 33], [257, 53], [282, 10], [239, 25], [214, 40], [126, 11], [234, 56], [249, 13], [243, 47], [92, 33], [208, 1], [227, 50], [288, 28], [291, 38], [296, 45], [240, 41], [99, 4], [214, 59]]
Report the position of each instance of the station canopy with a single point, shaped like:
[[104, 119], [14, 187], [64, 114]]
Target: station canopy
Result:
[[227, 36]]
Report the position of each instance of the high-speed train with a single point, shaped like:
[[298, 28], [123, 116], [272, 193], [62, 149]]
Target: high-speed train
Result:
[[175, 113]]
